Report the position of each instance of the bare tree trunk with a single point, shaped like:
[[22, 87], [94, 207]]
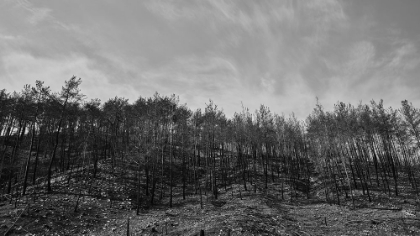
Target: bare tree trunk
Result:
[[49, 189], [28, 161]]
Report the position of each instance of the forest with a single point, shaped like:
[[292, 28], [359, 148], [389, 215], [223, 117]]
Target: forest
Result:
[[156, 152]]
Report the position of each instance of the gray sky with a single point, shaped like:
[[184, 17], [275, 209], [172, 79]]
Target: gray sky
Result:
[[282, 54]]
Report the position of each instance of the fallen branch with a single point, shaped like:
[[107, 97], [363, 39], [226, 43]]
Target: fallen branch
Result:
[[386, 209], [14, 223], [305, 232], [7, 196], [358, 221], [410, 219]]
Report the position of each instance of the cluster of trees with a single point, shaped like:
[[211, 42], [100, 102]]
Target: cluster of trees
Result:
[[157, 144], [366, 147]]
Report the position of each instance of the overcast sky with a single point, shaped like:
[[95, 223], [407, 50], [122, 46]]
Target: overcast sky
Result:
[[282, 54]]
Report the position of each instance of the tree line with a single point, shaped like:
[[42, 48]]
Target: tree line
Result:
[[157, 147]]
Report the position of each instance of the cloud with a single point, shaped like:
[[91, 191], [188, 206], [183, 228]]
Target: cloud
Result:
[[405, 57], [38, 15], [32, 15], [232, 51], [196, 80], [279, 53], [298, 96], [244, 14], [23, 68], [361, 61], [172, 10], [364, 74]]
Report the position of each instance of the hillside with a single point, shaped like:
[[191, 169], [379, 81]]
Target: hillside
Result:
[[236, 211], [72, 167]]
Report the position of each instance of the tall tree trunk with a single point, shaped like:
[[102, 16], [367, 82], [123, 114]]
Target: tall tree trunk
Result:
[[28, 161], [170, 168], [49, 189], [38, 147]]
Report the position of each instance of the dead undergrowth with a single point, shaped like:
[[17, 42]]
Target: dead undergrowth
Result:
[[101, 206]]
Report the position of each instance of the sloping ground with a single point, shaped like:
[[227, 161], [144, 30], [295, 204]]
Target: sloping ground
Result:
[[254, 214], [247, 216], [325, 219], [237, 212], [261, 214]]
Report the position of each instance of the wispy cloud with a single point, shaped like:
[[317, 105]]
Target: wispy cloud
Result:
[[195, 78], [361, 60], [279, 53], [405, 57], [36, 14], [171, 10], [365, 75], [271, 42], [23, 68]]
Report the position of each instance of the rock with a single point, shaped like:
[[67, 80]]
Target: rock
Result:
[[154, 230]]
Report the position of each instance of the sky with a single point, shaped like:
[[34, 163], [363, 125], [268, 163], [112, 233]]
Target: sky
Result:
[[282, 54]]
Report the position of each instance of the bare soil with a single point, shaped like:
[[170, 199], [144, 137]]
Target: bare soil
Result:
[[238, 212]]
